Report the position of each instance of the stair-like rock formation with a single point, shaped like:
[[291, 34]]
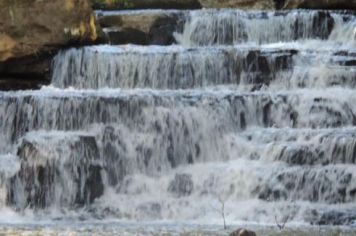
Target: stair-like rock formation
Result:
[[255, 110]]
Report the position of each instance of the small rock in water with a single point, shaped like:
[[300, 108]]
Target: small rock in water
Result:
[[242, 232], [182, 185]]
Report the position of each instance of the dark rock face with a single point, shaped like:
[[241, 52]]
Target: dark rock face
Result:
[[114, 155], [323, 23], [161, 32], [323, 18], [126, 36], [330, 185], [340, 152], [182, 185], [148, 4], [149, 210], [261, 69], [317, 4], [59, 173], [243, 4], [334, 218], [155, 28], [29, 72]]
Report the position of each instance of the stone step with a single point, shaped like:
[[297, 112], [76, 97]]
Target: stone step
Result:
[[330, 184], [176, 67], [207, 112], [68, 163], [130, 151], [172, 67], [60, 170], [123, 152], [212, 27], [264, 190], [9, 166], [141, 27], [297, 146], [241, 179]]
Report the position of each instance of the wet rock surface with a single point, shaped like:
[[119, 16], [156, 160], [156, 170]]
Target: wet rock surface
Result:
[[337, 218], [182, 185], [154, 28], [68, 175], [243, 232], [32, 31], [323, 189]]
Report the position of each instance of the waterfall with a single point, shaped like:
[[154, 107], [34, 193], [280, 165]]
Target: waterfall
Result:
[[256, 108], [215, 27]]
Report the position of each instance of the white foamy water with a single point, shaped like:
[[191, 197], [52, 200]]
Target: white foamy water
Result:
[[179, 68], [216, 27]]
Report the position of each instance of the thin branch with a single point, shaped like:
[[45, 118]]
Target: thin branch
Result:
[[222, 202], [281, 226]]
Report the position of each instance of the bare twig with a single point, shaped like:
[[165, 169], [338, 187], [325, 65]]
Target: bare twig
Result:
[[283, 224], [222, 202]]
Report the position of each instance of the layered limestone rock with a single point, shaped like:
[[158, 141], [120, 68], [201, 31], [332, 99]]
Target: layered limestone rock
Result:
[[31, 31]]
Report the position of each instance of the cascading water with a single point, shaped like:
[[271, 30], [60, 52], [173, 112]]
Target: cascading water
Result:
[[255, 108]]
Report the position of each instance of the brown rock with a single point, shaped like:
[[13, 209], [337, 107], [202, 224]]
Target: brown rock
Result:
[[32, 29], [28, 27], [243, 232]]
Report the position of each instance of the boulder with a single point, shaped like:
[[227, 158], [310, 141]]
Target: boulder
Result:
[[242, 4], [156, 27], [242, 232], [32, 31], [145, 4], [182, 185]]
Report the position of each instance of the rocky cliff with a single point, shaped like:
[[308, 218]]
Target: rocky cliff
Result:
[[31, 31]]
